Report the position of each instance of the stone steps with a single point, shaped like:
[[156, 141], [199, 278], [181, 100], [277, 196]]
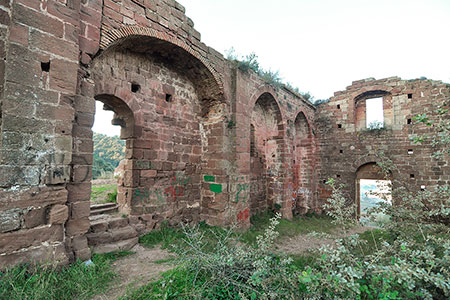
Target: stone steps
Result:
[[102, 209]]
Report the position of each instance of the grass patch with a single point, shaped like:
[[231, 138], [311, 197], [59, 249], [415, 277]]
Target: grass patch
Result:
[[104, 193], [77, 281], [288, 228], [170, 237]]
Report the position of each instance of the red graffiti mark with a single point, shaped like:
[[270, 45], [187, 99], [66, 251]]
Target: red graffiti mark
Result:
[[243, 215], [170, 192]]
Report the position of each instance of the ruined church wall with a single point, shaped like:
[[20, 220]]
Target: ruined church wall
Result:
[[346, 144]]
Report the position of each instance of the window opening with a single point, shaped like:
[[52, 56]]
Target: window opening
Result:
[[374, 113]]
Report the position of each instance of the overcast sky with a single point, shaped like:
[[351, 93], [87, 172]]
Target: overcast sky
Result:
[[321, 46]]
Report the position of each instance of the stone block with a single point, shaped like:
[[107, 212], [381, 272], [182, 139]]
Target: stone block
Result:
[[37, 20], [117, 223], [99, 238], [10, 220], [63, 75], [123, 233], [17, 240], [80, 209], [118, 246], [99, 226], [58, 214], [77, 227], [35, 217]]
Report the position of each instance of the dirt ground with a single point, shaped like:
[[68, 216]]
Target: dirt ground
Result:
[[302, 243], [136, 270], [140, 268]]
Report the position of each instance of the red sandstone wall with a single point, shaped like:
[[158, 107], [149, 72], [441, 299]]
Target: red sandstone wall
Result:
[[345, 144]]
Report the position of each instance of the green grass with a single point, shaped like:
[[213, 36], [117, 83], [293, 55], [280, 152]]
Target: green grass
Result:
[[298, 226], [170, 237], [104, 193], [77, 281]]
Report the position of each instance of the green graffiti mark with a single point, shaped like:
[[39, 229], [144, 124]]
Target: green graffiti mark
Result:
[[209, 178], [216, 188]]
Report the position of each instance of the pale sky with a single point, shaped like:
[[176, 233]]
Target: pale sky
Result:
[[321, 46]]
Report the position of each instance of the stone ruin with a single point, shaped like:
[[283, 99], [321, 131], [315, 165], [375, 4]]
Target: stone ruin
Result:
[[205, 141]]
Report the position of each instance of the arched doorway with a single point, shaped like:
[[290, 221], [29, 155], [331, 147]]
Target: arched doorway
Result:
[[266, 142], [167, 93], [372, 186], [111, 152], [303, 165]]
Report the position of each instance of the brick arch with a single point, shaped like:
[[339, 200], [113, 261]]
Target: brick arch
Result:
[[268, 159], [104, 89], [300, 112], [113, 37], [261, 90], [363, 161], [359, 105], [303, 165]]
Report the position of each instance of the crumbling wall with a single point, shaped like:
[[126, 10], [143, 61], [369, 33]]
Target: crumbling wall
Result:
[[40, 79], [265, 154], [347, 144]]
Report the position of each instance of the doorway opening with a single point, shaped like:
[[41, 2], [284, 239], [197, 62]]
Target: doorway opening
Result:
[[108, 165], [372, 189]]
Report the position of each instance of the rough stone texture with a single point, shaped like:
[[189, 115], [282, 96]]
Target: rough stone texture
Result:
[[58, 214], [347, 148], [204, 140]]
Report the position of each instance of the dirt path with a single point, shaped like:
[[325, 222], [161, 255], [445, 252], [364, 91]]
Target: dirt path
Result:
[[136, 270], [302, 243]]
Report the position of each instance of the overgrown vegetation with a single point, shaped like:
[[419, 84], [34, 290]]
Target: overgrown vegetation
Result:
[[40, 282], [250, 62], [104, 193], [108, 152], [407, 258]]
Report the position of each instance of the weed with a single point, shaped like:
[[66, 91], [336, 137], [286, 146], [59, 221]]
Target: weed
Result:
[[77, 281]]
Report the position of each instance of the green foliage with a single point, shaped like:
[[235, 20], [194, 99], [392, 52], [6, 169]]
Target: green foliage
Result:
[[440, 122], [339, 208], [108, 152], [231, 270], [104, 193], [250, 62], [45, 282], [375, 125], [112, 197]]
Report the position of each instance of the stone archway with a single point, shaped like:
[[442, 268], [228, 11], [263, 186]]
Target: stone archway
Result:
[[123, 117], [266, 174], [303, 165], [368, 172]]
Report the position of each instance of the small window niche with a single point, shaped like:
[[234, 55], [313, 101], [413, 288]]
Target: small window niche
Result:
[[135, 87], [409, 121], [374, 113], [410, 151], [45, 66], [169, 97], [338, 106], [410, 96], [339, 125]]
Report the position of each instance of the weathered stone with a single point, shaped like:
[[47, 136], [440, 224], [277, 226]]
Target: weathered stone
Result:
[[123, 233], [17, 240], [35, 217], [77, 227], [10, 220], [58, 214], [123, 245]]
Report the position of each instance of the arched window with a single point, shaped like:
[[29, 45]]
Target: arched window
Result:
[[373, 110]]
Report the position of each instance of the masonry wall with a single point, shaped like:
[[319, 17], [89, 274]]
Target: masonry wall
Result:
[[205, 141], [346, 145]]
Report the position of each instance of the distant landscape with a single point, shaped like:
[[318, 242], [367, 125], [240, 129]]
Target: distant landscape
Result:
[[108, 152]]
